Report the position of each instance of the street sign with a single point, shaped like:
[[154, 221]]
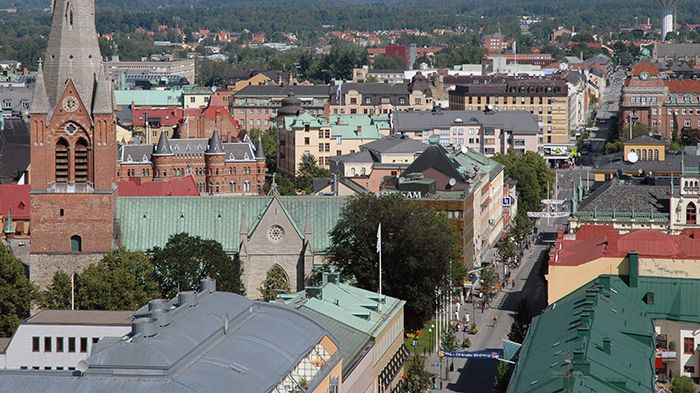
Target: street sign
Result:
[[470, 354], [547, 214], [553, 201], [507, 201]]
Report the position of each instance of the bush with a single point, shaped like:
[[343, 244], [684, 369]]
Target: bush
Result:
[[473, 329], [682, 384], [466, 343]]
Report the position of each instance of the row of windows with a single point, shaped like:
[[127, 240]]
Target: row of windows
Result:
[[60, 344], [219, 187], [671, 123], [648, 155], [58, 368], [509, 100], [643, 100], [674, 111]]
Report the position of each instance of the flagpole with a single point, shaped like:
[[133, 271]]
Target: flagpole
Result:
[[379, 251]]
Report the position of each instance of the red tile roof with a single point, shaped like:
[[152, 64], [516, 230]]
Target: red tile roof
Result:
[[683, 86], [645, 66], [597, 241], [15, 197], [176, 186]]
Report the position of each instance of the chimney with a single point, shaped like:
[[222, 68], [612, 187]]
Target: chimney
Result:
[[331, 277], [633, 258], [207, 285], [187, 299], [313, 292], [607, 345], [144, 326]]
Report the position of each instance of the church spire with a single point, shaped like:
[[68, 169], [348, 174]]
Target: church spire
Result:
[[163, 146], [73, 52], [259, 150], [103, 94], [40, 101]]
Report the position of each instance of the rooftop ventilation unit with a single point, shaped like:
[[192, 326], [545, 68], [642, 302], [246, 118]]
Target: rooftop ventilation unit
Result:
[[146, 327], [188, 299]]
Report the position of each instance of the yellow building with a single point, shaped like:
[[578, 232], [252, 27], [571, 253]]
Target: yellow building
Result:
[[547, 99], [594, 250], [324, 138]]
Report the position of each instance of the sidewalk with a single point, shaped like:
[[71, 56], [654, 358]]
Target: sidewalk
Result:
[[477, 375]]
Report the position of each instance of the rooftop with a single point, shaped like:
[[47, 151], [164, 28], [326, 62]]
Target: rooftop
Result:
[[520, 122], [16, 198], [627, 195], [601, 336], [591, 242], [173, 186], [80, 317], [149, 221], [395, 144]]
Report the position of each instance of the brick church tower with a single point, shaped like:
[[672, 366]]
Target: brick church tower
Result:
[[73, 145]]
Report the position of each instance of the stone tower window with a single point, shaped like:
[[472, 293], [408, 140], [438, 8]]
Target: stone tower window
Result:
[[61, 161], [81, 161]]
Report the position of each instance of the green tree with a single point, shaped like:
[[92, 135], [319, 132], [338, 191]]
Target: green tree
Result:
[[185, 260], [449, 339], [503, 373], [269, 141], [58, 295], [487, 276], [308, 169], [276, 282], [16, 292], [522, 228], [507, 249], [682, 384], [382, 62], [521, 322], [122, 280], [417, 378], [690, 136], [418, 245], [284, 185], [533, 175]]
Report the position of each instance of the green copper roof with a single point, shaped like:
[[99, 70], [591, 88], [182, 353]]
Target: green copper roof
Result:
[[148, 97], [343, 126], [565, 349], [485, 164], [354, 307], [145, 222]]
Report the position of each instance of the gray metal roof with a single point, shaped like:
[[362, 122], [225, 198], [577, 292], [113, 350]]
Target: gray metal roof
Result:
[[360, 156], [197, 352], [519, 122], [676, 50], [629, 195], [395, 144], [268, 91], [235, 151], [80, 317]]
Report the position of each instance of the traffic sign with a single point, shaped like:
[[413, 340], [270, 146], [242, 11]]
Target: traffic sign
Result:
[[507, 201]]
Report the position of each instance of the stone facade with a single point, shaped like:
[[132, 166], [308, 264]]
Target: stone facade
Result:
[[43, 266], [275, 240]]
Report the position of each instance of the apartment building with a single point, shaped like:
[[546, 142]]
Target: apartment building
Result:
[[546, 98], [255, 107], [325, 138], [382, 98]]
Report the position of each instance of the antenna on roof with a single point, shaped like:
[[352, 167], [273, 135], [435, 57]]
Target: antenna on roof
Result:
[[81, 367]]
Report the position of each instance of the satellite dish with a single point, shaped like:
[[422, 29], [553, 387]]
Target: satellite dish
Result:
[[213, 89], [452, 182], [402, 179], [632, 157], [464, 149], [82, 366]]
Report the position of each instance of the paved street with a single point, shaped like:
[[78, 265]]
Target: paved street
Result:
[[477, 376]]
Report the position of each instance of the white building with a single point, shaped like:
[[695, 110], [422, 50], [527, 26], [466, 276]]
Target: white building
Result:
[[59, 339]]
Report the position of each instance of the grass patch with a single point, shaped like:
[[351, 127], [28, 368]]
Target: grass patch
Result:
[[423, 339]]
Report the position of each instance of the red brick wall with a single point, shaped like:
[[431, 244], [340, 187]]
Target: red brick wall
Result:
[[86, 215]]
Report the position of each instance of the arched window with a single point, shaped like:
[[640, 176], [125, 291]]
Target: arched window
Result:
[[76, 243], [61, 161], [691, 213], [232, 186], [644, 155], [246, 186], [656, 154], [81, 161], [649, 154], [352, 171], [363, 171]]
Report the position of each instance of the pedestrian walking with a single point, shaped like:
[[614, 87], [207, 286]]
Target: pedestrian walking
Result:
[[459, 306], [512, 284], [483, 304], [494, 319], [466, 319]]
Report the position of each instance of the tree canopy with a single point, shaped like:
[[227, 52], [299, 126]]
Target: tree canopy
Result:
[[58, 294], [185, 260], [533, 176], [307, 171], [122, 280], [418, 246], [16, 292]]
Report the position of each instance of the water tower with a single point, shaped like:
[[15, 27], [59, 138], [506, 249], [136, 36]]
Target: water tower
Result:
[[669, 9]]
